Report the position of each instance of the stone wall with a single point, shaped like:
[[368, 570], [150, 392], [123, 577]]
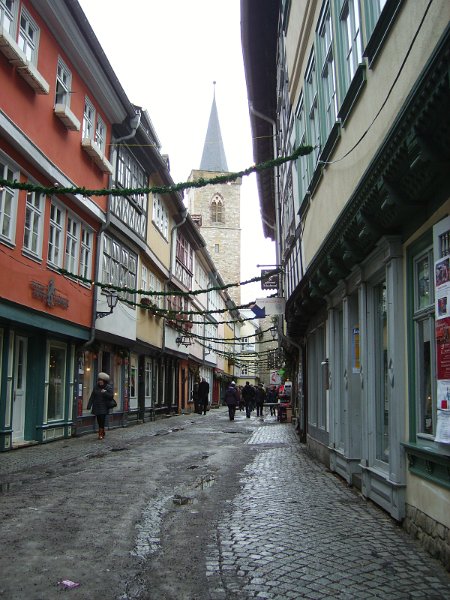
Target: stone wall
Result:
[[433, 536]]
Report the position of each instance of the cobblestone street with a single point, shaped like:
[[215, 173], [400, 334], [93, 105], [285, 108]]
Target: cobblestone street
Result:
[[274, 524], [297, 531]]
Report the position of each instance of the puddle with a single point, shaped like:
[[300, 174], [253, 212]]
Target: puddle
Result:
[[119, 449]]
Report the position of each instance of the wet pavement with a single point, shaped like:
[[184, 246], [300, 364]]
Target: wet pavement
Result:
[[297, 531], [238, 510]]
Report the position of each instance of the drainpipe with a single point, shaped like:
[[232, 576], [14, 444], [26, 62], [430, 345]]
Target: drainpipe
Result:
[[134, 124]]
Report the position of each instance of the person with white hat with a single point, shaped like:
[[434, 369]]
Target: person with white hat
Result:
[[101, 400]]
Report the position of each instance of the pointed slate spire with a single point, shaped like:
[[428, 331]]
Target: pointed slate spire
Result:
[[213, 157]]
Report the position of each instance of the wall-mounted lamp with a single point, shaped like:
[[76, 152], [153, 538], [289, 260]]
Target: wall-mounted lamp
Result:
[[186, 341], [273, 332], [111, 299], [208, 350]]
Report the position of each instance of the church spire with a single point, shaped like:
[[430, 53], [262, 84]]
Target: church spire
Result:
[[213, 157]]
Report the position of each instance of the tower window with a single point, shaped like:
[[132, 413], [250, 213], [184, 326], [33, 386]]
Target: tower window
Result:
[[217, 209]]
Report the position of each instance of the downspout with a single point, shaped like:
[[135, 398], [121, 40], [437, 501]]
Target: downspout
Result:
[[134, 124]]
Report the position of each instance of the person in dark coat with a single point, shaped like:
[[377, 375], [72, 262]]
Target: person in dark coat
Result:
[[231, 399], [101, 395], [272, 399], [195, 398], [260, 399], [248, 395], [203, 393]]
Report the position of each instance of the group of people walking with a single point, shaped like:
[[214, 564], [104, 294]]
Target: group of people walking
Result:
[[249, 398], [200, 393]]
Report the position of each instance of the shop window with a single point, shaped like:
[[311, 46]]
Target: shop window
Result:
[[381, 372], [423, 319], [86, 380], [56, 381], [148, 382]]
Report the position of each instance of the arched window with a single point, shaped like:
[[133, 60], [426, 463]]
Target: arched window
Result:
[[217, 209]]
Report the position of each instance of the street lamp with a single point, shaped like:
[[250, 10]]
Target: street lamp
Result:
[[273, 332], [111, 299]]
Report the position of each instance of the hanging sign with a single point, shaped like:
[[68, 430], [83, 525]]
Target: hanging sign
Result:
[[269, 280], [270, 306]]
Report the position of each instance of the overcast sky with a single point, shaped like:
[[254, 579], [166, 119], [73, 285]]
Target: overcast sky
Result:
[[166, 54]]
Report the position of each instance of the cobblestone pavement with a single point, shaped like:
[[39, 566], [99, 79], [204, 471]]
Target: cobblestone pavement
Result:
[[287, 529], [297, 531]]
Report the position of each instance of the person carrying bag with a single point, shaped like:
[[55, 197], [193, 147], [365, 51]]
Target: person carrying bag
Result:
[[101, 401]]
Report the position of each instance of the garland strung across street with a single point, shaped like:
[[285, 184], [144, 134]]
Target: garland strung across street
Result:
[[166, 189], [128, 290]]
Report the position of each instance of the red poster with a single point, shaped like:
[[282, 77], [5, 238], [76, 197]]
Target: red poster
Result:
[[443, 348]]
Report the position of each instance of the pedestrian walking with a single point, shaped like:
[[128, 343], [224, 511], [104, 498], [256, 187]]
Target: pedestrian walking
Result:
[[272, 399], [203, 393], [195, 398], [260, 399], [248, 395], [101, 401], [231, 399], [241, 399]]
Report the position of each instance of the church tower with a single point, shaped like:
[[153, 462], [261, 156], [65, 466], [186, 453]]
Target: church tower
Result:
[[217, 208]]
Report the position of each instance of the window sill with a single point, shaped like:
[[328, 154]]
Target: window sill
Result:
[[92, 150], [67, 117], [381, 29], [429, 462], [25, 68], [352, 94], [331, 142]]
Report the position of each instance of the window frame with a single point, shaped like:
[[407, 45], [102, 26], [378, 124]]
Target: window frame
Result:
[[160, 216], [25, 42], [325, 57], [10, 172], [4, 10], [65, 95], [37, 215], [89, 120], [117, 260], [217, 209]]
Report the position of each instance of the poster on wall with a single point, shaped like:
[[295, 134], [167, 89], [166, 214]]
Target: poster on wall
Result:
[[356, 365]]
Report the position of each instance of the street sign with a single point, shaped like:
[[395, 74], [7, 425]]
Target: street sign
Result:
[[271, 306]]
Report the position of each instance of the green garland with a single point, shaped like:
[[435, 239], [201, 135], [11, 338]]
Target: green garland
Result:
[[178, 187], [117, 288]]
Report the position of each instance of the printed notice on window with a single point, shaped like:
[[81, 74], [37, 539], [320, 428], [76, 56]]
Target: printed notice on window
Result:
[[442, 284], [443, 348], [443, 427]]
